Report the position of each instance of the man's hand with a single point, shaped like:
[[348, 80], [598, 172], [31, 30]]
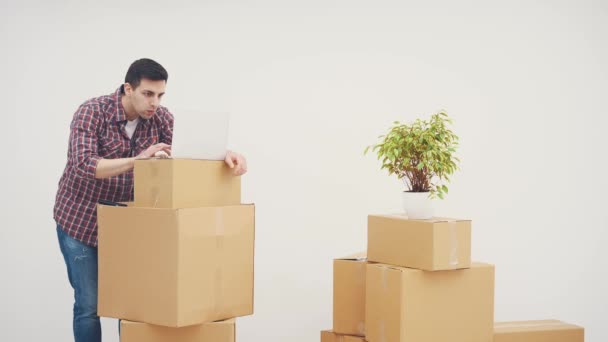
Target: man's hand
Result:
[[162, 155], [107, 168], [158, 150], [237, 162]]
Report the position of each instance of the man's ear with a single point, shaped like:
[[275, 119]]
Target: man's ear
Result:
[[128, 89]]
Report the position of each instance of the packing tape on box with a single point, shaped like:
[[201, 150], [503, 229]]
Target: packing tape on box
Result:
[[384, 277], [361, 328], [382, 331], [156, 196], [362, 267], [453, 243], [219, 228], [530, 325], [217, 289], [362, 281], [219, 245], [155, 190]]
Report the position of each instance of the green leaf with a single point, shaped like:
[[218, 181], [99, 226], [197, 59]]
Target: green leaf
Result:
[[424, 148]]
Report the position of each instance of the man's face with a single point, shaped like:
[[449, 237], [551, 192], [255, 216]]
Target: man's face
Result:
[[145, 99]]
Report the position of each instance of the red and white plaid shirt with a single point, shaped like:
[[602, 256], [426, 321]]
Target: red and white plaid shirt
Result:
[[98, 131]]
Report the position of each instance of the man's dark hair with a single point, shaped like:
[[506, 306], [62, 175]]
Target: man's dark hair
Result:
[[145, 68]]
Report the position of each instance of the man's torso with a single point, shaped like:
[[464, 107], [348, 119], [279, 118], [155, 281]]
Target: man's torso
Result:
[[77, 196]]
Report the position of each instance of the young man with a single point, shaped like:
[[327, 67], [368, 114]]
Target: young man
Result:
[[107, 135]]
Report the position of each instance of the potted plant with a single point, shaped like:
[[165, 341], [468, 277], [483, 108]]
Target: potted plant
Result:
[[422, 155]]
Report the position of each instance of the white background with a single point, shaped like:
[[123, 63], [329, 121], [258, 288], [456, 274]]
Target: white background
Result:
[[309, 84]]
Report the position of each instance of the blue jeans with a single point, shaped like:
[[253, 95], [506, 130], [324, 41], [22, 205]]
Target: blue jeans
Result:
[[81, 262]]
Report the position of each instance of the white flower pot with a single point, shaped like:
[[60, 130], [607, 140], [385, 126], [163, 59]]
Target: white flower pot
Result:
[[418, 205]]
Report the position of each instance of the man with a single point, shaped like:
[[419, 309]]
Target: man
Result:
[[107, 135]]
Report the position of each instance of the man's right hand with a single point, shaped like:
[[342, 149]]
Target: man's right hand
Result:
[[152, 151]]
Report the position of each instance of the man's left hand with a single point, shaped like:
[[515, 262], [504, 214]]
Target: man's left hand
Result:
[[236, 162]]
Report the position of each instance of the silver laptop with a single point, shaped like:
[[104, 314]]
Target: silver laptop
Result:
[[200, 135]]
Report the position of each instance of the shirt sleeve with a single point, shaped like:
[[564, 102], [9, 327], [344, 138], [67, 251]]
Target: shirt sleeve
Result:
[[166, 129], [84, 141]]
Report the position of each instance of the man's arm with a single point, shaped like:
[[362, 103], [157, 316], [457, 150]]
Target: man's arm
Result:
[[83, 148], [107, 168], [83, 141]]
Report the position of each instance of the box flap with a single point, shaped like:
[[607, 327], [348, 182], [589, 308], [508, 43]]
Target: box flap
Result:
[[533, 325], [403, 216], [393, 267], [411, 270], [359, 256]]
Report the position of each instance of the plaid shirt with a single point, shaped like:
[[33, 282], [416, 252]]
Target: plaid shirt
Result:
[[98, 131]]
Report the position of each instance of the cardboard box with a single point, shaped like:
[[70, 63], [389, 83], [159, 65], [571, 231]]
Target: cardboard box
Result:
[[411, 305], [185, 183], [175, 267], [349, 294], [222, 331], [538, 331], [432, 245], [330, 336]]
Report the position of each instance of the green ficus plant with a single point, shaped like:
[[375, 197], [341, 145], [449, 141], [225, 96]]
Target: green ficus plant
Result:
[[422, 154]]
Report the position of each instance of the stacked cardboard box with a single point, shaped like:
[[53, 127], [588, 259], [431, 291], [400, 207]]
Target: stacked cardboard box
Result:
[[349, 295], [421, 286], [178, 261]]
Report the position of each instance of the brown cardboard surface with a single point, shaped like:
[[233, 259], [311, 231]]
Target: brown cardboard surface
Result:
[[185, 183], [432, 245], [175, 267], [411, 305], [330, 336], [538, 331], [222, 331], [349, 295]]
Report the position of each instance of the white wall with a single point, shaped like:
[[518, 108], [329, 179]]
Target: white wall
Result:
[[309, 85]]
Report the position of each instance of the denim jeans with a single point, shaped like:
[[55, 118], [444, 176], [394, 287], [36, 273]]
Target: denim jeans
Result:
[[81, 262]]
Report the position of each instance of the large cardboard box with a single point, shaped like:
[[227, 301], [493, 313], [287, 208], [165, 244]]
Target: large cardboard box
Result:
[[185, 183], [222, 331], [330, 336], [175, 267], [411, 305], [538, 331], [349, 294], [432, 245]]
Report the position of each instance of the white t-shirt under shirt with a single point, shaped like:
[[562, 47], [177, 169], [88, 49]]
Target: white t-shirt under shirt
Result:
[[130, 127]]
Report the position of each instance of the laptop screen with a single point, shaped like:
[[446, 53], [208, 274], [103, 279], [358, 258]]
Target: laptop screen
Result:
[[200, 135]]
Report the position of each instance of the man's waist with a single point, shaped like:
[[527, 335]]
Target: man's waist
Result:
[[119, 188]]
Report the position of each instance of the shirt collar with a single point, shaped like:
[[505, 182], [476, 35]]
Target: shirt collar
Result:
[[120, 110]]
